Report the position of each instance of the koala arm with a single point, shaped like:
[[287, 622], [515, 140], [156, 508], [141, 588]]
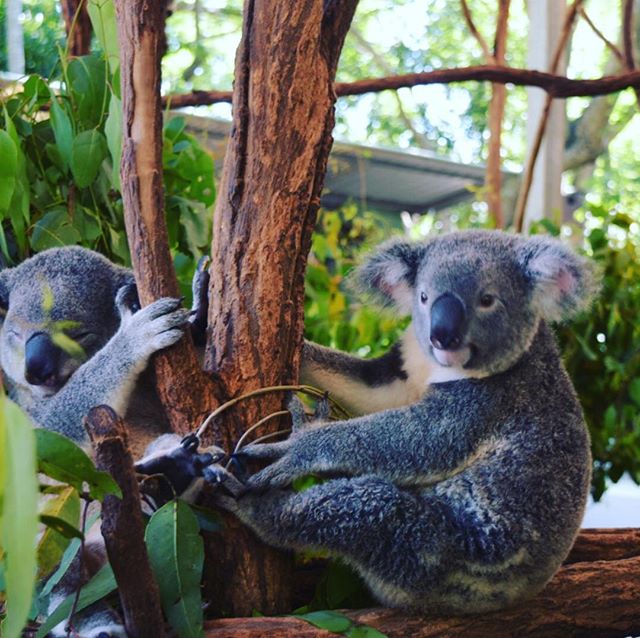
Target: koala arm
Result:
[[110, 375], [364, 386], [417, 445]]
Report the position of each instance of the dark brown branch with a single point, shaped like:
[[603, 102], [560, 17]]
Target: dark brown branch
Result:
[[527, 177], [558, 86], [605, 544], [123, 527], [627, 40], [77, 26], [584, 600], [610, 45]]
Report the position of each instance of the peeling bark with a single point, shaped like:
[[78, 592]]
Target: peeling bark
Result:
[[78, 26]]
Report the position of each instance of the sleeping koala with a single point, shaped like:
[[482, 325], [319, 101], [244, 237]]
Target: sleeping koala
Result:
[[469, 499], [73, 337], [68, 297]]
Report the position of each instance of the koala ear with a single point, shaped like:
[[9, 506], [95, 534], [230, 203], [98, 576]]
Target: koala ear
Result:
[[563, 283], [389, 274]]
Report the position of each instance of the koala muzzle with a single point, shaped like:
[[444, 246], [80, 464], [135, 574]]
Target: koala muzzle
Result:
[[447, 322], [41, 360]]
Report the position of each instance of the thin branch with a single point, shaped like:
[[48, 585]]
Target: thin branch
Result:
[[627, 40], [493, 174], [610, 45], [558, 86], [525, 188], [468, 18]]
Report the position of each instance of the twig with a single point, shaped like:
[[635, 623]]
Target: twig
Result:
[[255, 426], [306, 389], [627, 40], [558, 86], [610, 45], [527, 178], [468, 18]]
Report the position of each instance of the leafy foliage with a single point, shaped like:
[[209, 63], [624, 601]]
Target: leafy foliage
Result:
[[60, 182], [602, 349]]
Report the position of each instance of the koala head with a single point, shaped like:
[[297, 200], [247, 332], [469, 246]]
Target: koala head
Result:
[[52, 303], [477, 297]]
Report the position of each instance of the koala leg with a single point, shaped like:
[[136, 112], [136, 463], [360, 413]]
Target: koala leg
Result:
[[398, 540]]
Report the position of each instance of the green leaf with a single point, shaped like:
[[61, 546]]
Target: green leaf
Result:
[[54, 229], [113, 132], [87, 87], [62, 131], [68, 345], [60, 514], [19, 515], [102, 14], [634, 391], [8, 170], [62, 460], [101, 585], [330, 620], [176, 554], [88, 150]]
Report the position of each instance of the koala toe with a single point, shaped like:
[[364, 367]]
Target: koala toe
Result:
[[265, 450]]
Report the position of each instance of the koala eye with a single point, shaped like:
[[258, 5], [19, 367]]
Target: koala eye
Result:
[[487, 301], [423, 297]]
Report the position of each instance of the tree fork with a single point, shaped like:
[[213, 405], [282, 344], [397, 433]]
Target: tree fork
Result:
[[184, 390], [265, 213]]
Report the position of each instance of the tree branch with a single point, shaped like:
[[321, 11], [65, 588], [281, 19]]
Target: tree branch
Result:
[[610, 45], [558, 86], [123, 527]]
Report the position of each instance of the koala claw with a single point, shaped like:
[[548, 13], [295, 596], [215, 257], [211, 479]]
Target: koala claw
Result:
[[217, 475]]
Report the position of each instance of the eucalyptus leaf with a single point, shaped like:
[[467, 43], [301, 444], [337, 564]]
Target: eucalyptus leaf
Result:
[[88, 150], [329, 620], [113, 133], [176, 554], [54, 229], [19, 515], [101, 585], [102, 14], [62, 130], [62, 460], [8, 170]]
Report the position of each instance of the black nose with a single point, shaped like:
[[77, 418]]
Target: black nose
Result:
[[447, 322], [41, 360]]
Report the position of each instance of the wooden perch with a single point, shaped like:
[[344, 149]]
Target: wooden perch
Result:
[[558, 86], [597, 599], [123, 527]]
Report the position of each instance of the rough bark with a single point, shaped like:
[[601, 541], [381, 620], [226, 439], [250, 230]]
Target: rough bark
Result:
[[584, 600], [605, 544], [265, 213], [123, 527], [77, 26], [184, 390]]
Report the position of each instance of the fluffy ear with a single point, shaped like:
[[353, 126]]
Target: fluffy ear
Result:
[[389, 274], [563, 283]]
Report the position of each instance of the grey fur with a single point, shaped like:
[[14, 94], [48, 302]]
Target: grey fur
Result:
[[85, 288], [469, 499]]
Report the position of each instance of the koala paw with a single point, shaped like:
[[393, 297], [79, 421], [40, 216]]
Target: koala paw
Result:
[[155, 327]]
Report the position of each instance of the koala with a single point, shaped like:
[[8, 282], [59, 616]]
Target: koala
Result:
[[468, 498], [73, 336]]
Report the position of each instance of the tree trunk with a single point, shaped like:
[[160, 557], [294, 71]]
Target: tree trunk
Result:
[[77, 26], [265, 213], [15, 37], [184, 390]]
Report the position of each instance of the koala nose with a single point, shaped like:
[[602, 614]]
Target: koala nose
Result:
[[447, 322], [41, 359]]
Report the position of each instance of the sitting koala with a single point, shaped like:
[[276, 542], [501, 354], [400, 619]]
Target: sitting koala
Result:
[[469, 499]]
